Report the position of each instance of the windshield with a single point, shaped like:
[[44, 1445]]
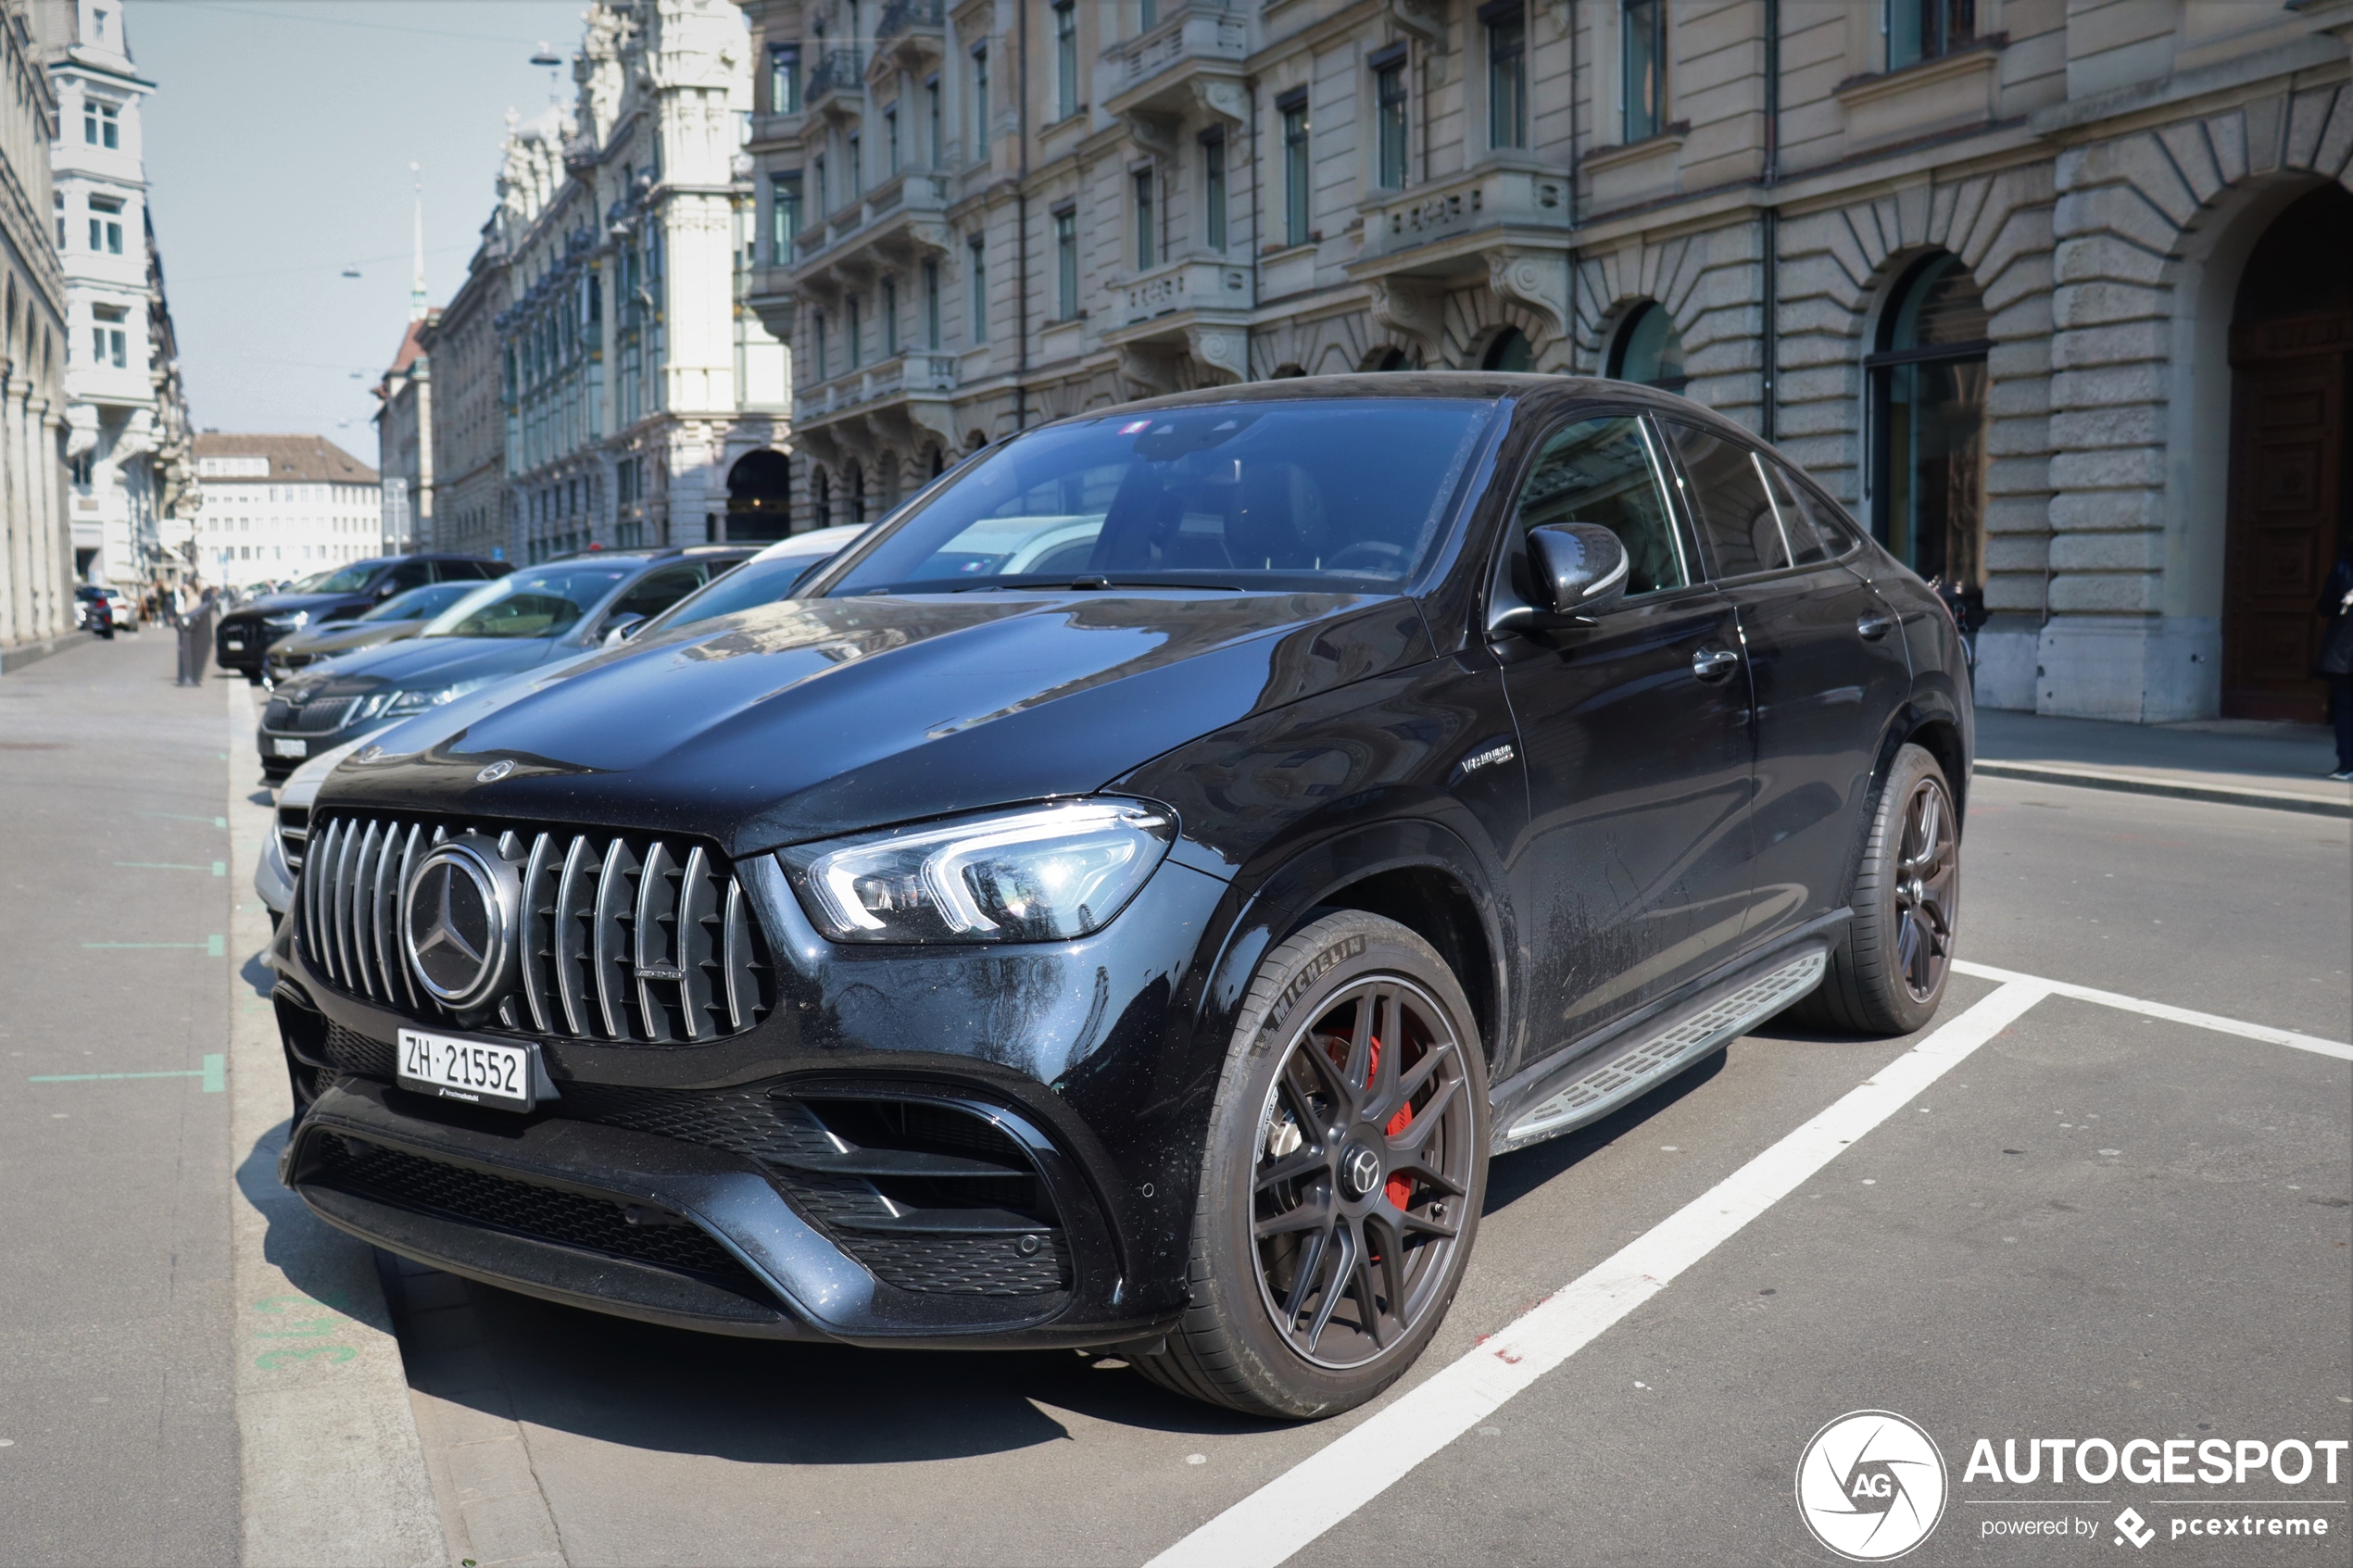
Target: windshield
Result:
[[350, 580], [753, 584], [418, 604], [544, 601], [1332, 494]]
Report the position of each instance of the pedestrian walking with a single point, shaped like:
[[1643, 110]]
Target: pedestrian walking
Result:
[[2336, 663], [196, 639]]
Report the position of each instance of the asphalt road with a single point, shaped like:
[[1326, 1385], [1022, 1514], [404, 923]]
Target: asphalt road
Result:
[[115, 1386], [2096, 1225]]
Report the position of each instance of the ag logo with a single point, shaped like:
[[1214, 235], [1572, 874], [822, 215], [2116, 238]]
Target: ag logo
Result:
[[1871, 1486]]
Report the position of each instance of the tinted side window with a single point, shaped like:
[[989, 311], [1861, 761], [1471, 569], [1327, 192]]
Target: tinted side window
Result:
[[407, 576], [1816, 532], [1736, 518], [459, 570], [656, 591], [1600, 470]]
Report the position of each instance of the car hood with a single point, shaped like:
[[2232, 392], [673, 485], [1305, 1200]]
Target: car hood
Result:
[[343, 636], [422, 661], [811, 717]]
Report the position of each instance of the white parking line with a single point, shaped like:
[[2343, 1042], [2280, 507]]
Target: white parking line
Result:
[[2263, 1032], [1291, 1511]]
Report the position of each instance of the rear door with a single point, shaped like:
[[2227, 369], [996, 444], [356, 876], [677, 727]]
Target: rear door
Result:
[[1826, 661], [1633, 877]]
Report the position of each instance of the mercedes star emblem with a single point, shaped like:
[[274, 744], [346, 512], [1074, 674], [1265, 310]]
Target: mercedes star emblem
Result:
[[495, 772], [458, 920], [1363, 1170]]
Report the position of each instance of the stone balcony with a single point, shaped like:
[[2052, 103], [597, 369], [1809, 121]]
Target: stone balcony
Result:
[[768, 294], [1193, 56], [836, 84], [886, 229], [913, 33], [913, 376], [1506, 216], [1196, 284], [1196, 308]]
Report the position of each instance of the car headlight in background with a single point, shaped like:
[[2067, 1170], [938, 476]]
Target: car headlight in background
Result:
[[1036, 875], [294, 623], [398, 705]]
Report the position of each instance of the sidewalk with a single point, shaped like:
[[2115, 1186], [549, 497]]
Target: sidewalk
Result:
[[2239, 762]]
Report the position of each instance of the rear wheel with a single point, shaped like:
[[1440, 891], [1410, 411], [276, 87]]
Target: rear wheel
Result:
[[1342, 1178], [1887, 974]]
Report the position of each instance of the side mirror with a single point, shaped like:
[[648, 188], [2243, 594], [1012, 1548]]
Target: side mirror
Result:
[[388, 590], [621, 628], [1575, 569]]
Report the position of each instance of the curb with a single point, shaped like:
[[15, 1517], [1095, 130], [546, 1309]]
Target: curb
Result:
[[2131, 783], [16, 656]]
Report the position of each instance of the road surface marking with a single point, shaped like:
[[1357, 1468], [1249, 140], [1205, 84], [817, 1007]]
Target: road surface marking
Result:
[[2166, 1010], [219, 868], [213, 946], [183, 817], [215, 1073], [1295, 1508]]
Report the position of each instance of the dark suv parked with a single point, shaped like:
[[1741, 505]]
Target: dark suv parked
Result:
[[242, 638], [1129, 898]]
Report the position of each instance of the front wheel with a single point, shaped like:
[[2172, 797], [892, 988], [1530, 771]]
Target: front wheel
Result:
[[1342, 1178], [1887, 974]]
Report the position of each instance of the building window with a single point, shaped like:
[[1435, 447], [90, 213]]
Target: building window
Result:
[[852, 344], [1145, 220], [890, 137], [1648, 349], [931, 303], [1065, 58], [1507, 75], [817, 340], [889, 316], [783, 79], [105, 224], [854, 155], [106, 346], [783, 217], [1297, 170], [1212, 190], [1918, 30], [1147, 15], [57, 199], [1928, 422], [935, 151], [977, 286], [1388, 119], [857, 488], [1066, 265], [101, 123], [1641, 45], [980, 102], [825, 195], [820, 500]]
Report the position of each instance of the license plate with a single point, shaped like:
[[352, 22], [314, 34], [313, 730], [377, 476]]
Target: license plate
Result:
[[289, 748], [478, 1072], [235, 644]]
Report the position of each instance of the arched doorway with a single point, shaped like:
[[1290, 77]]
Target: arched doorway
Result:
[[760, 497], [1928, 387], [1648, 349], [1510, 351], [2290, 504], [857, 489]]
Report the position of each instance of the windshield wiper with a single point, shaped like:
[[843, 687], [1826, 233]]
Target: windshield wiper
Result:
[[1087, 583]]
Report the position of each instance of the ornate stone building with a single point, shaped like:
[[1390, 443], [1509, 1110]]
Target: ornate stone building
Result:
[[36, 550], [127, 427], [2031, 284], [632, 385], [468, 420]]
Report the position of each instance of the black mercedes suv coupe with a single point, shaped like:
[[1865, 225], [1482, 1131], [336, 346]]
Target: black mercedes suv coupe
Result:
[[1129, 898]]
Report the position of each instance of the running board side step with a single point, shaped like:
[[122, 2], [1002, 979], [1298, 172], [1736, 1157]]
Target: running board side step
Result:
[[1614, 1076]]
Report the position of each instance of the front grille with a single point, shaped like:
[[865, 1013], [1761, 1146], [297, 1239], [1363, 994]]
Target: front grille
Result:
[[625, 939], [572, 1218], [323, 717]]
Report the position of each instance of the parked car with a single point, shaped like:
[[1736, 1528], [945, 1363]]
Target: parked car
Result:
[[242, 639], [99, 610], [281, 859], [403, 615], [1146, 947], [770, 575], [537, 615]]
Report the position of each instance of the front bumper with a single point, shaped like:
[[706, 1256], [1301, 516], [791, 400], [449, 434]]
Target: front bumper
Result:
[[284, 750], [644, 1188], [244, 645]]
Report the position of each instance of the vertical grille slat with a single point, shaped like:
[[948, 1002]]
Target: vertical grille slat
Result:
[[571, 926], [656, 903], [611, 944], [698, 907], [534, 917], [625, 938]]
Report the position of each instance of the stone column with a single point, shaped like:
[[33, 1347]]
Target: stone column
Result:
[[16, 503]]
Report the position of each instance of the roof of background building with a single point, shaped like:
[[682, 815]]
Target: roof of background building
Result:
[[411, 350], [297, 458]]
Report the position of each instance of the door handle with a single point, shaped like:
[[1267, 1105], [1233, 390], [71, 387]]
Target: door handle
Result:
[[1874, 626], [1714, 663]]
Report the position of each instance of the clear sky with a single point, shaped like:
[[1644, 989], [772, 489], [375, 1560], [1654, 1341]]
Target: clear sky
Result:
[[278, 145]]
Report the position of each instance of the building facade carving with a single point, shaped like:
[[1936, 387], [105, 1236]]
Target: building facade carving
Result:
[[1979, 266]]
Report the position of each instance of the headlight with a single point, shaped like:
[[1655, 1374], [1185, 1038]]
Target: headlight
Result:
[[397, 704], [294, 623], [1036, 875]]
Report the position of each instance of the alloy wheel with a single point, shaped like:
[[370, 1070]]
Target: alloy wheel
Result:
[[1364, 1164], [1925, 870]]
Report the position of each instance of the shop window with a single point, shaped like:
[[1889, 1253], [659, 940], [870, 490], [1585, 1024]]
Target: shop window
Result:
[[1928, 420], [1647, 349]]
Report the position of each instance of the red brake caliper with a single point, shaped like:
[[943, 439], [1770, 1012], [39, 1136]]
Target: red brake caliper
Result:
[[1400, 1190]]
